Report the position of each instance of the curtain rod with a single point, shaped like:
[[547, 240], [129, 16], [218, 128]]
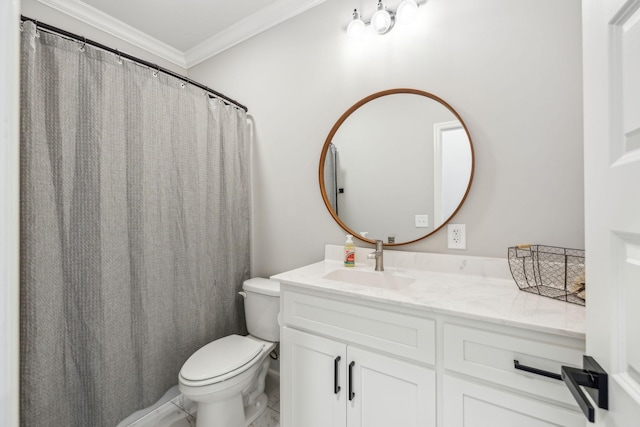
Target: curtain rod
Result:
[[64, 33]]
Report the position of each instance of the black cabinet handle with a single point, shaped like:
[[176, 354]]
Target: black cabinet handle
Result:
[[336, 379], [537, 371], [351, 393], [594, 378]]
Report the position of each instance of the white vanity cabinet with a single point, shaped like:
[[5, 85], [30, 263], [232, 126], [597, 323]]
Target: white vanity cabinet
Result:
[[336, 369], [312, 372], [348, 363], [433, 341], [473, 404], [480, 382]]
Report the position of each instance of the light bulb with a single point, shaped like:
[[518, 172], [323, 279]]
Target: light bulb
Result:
[[356, 27], [406, 12], [381, 20]]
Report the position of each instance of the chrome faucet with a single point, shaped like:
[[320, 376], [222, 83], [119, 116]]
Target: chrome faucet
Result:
[[377, 254]]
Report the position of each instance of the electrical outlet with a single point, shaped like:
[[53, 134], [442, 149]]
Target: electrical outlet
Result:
[[422, 221], [457, 238]]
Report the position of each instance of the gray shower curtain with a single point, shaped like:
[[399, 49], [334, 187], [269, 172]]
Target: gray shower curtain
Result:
[[134, 230], [331, 176]]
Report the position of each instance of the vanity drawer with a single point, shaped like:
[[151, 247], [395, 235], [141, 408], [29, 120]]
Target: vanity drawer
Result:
[[409, 337], [473, 404], [490, 356]]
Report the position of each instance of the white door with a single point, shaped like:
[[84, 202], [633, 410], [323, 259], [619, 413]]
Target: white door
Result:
[[384, 392], [611, 79], [452, 164], [311, 393]]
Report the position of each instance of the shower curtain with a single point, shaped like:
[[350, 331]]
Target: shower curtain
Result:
[[134, 234], [331, 176]]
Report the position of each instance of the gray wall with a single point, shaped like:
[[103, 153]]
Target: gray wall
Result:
[[512, 70]]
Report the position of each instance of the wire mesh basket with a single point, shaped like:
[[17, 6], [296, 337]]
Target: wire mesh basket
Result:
[[550, 271]]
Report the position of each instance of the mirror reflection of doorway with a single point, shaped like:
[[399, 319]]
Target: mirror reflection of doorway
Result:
[[452, 163]]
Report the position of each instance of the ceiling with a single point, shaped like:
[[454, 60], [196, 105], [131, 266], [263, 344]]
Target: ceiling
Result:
[[184, 32]]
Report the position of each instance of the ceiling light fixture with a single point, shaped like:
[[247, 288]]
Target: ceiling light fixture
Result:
[[383, 20], [407, 11], [356, 27]]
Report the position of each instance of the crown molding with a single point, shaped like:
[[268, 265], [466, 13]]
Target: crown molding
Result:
[[96, 18], [250, 26]]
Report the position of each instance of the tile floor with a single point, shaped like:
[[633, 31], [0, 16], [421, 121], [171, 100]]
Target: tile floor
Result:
[[174, 410]]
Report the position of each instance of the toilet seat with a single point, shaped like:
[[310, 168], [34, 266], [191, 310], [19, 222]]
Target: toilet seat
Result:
[[220, 360]]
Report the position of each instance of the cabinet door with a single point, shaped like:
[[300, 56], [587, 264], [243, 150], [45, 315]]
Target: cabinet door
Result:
[[308, 375], [388, 392], [471, 404]]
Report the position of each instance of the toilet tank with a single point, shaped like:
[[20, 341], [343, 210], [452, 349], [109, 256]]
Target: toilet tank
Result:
[[261, 308]]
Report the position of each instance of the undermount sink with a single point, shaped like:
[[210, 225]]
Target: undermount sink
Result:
[[370, 278]]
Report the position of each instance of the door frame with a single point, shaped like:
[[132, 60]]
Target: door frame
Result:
[[9, 212]]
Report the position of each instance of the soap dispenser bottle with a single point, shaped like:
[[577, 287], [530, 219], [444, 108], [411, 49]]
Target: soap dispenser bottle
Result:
[[349, 252]]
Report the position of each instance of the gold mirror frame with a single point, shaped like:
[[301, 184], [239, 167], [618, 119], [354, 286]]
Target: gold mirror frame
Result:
[[346, 115]]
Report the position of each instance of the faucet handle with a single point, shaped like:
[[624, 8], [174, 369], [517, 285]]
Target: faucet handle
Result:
[[378, 254]]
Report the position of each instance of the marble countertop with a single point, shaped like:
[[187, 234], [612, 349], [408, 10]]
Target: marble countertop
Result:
[[465, 286]]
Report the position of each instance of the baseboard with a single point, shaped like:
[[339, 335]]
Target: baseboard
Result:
[[274, 374]]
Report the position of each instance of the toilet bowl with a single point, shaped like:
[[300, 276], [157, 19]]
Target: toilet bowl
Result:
[[226, 377]]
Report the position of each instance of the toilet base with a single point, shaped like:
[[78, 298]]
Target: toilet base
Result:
[[227, 413], [220, 415], [253, 412]]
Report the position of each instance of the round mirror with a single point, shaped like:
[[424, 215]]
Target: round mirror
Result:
[[396, 166]]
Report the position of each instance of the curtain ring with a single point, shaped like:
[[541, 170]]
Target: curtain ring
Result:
[[21, 26], [84, 43], [119, 57], [37, 32], [156, 71]]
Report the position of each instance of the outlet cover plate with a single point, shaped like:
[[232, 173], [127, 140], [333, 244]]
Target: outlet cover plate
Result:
[[456, 236], [422, 221]]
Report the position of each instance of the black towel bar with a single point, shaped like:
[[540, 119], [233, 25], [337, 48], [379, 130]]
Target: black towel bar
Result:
[[537, 371]]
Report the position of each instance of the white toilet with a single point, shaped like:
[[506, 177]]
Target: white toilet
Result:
[[226, 377]]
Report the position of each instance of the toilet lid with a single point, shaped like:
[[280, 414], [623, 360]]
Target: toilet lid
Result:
[[220, 357], [262, 286]]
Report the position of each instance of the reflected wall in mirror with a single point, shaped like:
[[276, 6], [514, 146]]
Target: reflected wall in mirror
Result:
[[396, 166]]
